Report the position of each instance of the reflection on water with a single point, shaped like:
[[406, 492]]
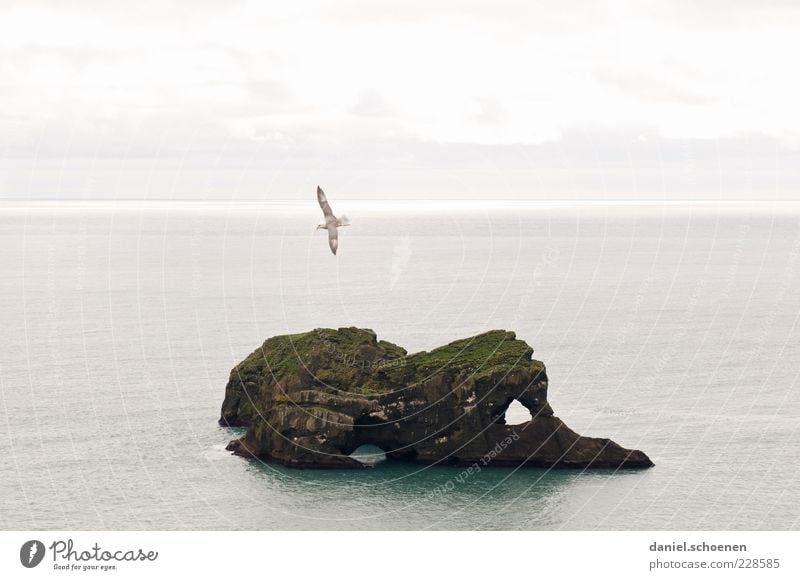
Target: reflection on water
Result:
[[396, 494], [369, 455]]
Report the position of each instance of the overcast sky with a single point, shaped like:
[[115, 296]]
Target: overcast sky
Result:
[[412, 98]]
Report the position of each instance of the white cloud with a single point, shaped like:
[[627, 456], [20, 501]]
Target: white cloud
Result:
[[190, 80]]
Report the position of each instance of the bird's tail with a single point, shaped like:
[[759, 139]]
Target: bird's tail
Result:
[[343, 221]]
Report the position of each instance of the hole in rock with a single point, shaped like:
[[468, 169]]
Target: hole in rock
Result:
[[517, 414], [369, 454]]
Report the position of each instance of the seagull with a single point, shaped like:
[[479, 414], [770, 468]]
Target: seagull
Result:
[[331, 221]]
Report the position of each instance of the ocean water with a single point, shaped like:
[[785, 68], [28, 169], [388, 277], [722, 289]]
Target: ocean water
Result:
[[669, 328]]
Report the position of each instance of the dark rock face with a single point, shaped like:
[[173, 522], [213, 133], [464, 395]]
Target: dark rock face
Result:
[[311, 399]]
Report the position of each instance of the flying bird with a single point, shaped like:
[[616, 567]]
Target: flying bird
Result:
[[332, 223]]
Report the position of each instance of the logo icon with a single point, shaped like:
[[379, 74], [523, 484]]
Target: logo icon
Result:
[[31, 553]]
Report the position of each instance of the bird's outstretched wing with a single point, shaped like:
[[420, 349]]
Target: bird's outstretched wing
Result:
[[323, 203], [333, 239]]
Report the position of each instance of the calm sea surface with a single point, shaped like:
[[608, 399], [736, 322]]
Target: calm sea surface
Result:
[[672, 329]]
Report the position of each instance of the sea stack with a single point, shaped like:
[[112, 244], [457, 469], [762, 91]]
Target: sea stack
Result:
[[309, 400]]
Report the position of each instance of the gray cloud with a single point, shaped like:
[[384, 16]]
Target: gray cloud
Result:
[[589, 163], [651, 88], [491, 111], [370, 104], [397, 97]]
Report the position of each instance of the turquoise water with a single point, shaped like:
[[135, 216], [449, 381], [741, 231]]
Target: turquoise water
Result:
[[672, 329]]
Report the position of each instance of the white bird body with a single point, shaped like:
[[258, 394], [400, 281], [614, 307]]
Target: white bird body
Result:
[[337, 222], [332, 223]]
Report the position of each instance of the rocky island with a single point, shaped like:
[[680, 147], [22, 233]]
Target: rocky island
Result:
[[309, 400]]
